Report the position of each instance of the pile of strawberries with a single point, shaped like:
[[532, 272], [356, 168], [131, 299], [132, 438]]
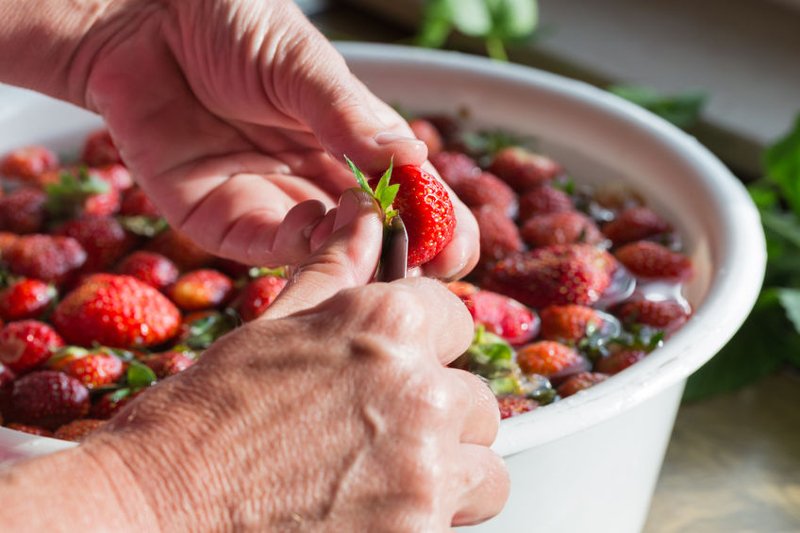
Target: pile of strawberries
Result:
[[574, 284], [99, 299]]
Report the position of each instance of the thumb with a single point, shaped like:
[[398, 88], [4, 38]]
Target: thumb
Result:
[[348, 258]]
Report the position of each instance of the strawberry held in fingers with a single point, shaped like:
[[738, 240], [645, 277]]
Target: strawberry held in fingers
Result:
[[423, 203], [118, 311]]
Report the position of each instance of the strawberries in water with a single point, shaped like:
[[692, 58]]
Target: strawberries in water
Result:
[[26, 298], [501, 315], [553, 275], [53, 259], [455, 167], [619, 360], [48, 399], [550, 359], [487, 189], [201, 289], [568, 323], [667, 315], [151, 268], [27, 344], [523, 169], [427, 133], [118, 311], [634, 224], [566, 227], [258, 295], [650, 260], [499, 236], [514, 405], [103, 238], [95, 369], [580, 382], [543, 200]]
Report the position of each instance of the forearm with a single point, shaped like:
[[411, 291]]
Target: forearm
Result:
[[71, 491], [40, 39]]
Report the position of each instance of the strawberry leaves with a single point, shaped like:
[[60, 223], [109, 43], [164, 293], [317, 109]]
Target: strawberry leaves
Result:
[[384, 192], [65, 197]]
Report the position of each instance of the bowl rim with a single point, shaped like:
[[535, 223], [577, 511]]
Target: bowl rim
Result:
[[744, 258], [715, 320]]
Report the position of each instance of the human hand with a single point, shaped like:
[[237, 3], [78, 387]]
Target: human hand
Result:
[[235, 116], [332, 412]]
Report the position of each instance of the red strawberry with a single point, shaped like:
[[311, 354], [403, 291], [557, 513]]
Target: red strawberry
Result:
[[499, 236], [550, 359], [7, 377], [49, 399], [31, 430], [95, 369], [455, 167], [151, 268], [619, 360], [109, 403], [635, 224], [78, 430], [27, 344], [502, 316], [170, 363], [258, 295], [667, 315], [7, 240], [514, 405], [99, 150], [118, 311], [522, 169], [650, 260], [27, 298], [181, 250], [568, 323], [23, 211], [27, 163], [553, 275], [44, 257], [566, 227], [103, 238], [136, 203], [579, 382], [116, 175], [462, 289], [201, 289], [543, 200], [427, 133], [487, 189], [81, 192]]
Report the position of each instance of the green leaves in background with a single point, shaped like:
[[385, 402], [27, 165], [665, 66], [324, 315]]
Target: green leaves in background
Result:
[[681, 109], [771, 335], [497, 22]]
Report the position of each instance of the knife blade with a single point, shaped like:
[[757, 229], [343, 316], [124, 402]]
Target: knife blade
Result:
[[394, 254]]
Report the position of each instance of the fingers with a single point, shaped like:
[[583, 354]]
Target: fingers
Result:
[[483, 482], [478, 403], [348, 257]]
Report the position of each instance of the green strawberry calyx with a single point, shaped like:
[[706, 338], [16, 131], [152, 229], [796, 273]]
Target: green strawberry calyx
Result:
[[384, 192]]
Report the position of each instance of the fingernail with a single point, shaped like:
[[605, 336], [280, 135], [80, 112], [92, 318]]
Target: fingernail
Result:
[[352, 203], [389, 137]]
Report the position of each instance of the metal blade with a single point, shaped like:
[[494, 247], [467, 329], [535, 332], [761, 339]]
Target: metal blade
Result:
[[394, 256]]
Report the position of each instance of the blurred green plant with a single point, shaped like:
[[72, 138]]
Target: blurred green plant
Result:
[[682, 109], [497, 22]]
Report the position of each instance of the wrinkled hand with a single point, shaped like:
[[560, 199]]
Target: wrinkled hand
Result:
[[235, 116], [333, 412]]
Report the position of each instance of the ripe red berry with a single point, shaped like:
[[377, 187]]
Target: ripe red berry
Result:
[[95, 369], [99, 150], [27, 344], [116, 175], [23, 211], [180, 250], [201, 289], [258, 295], [550, 359], [31, 430], [502, 316], [117, 311], [455, 167], [27, 163], [170, 363], [647, 259], [49, 399], [103, 238], [568, 323], [499, 236], [565, 227], [44, 257], [26, 298], [553, 275], [136, 203], [514, 405], [427, 133], [523, 169], [580, 382], [667, 315], [487, 189], [619, 360], [151, 268], [543, 200], [78, 430], [634, 224], [109, 403]]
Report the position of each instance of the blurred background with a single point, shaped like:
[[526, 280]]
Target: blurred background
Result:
[[726, 71]]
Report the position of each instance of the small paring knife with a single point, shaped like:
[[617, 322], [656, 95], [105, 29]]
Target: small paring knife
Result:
[[394, 255]]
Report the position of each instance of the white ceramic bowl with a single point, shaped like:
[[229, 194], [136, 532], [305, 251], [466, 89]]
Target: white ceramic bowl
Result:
[[590, 462]]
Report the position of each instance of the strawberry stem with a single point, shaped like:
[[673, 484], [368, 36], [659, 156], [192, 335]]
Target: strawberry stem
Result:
[[384, 193]]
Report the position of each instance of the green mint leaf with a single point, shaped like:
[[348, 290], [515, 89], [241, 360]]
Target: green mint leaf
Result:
[[140, 375], [360, 177], [683, 110], [436, 24], [782, 164]]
